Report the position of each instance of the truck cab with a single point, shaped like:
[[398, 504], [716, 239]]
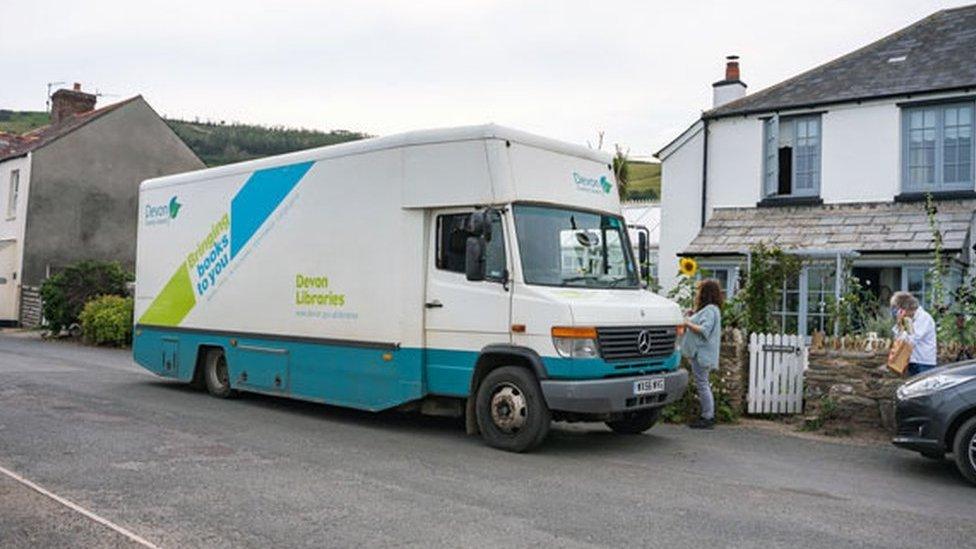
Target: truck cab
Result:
[[552, 291]]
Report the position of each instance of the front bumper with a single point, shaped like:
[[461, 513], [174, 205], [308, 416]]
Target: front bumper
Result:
[[612, 395], [920, 425]]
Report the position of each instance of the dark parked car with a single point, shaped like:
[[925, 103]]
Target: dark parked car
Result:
[[936, 414]]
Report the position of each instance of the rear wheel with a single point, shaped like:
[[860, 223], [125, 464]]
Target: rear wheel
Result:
[[965, 450], [635, 423], [215, 374], [511, 411]]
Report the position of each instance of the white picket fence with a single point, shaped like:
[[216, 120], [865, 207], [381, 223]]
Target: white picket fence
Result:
[[776, 366]]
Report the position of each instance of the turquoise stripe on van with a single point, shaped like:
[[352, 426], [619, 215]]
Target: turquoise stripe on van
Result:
[[348, 375]]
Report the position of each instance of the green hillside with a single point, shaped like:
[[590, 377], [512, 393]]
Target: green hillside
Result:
[[215, 143], [21, 121], [218, 144], [643, 180]]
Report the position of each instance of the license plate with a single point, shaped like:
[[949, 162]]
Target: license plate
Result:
[[649, 386]]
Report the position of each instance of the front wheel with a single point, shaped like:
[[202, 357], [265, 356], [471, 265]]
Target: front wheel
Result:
[[215, 374], [965, 450], [635, 423], [511, 411]]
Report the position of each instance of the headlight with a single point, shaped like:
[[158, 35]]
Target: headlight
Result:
[[931, 384], [575, 342]]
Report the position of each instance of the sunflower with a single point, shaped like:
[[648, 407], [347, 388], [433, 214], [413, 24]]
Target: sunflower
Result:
[[687, 266]]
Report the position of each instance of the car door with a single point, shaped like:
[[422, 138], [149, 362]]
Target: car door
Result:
[[462, 317]]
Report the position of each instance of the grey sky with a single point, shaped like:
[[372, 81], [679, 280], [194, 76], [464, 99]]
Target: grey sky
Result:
[[640, 71]]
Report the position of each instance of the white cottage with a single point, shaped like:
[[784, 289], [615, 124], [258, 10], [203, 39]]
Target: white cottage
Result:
[[834, 163]]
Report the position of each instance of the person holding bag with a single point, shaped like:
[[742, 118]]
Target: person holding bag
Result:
[[701, 346], [916, 326]]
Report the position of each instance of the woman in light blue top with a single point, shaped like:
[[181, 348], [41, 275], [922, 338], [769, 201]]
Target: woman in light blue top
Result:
[[703, 337]]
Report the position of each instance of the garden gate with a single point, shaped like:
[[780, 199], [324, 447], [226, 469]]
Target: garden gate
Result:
[[776, 366]]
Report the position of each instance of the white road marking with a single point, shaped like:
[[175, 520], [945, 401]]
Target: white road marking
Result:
[[79, 509]]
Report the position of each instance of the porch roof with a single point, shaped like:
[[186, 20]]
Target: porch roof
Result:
[[872, 227]]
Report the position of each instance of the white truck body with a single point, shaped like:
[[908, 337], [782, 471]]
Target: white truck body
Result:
[[318, 272]]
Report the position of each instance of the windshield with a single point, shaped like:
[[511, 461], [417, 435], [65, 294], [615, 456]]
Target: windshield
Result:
[[563, 247]]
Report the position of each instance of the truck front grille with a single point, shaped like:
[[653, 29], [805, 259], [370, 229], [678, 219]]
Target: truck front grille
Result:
[[624, 343]]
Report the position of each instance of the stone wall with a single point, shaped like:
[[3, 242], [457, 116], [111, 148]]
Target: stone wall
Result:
[[733, 368], [848, 388]]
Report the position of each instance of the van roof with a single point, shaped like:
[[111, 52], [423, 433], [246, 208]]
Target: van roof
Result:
[[407, 139]]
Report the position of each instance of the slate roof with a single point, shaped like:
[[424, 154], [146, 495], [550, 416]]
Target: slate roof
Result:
[[12, 146], [863, 227], [939, 56]]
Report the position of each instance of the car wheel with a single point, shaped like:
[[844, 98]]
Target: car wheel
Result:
[[964, 449], [511, 411], [635, 423], [215, 374]]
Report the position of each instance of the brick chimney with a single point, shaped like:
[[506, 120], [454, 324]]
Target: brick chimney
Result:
[[65, 103], [731, 88]]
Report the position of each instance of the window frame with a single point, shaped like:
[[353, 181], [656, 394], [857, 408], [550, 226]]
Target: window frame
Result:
[[732, 270], [939, 184], [13, 194], [440, 262], [440, 266], [772, 129]]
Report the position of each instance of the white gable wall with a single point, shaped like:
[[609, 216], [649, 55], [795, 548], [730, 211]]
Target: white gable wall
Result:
[[681, 186]]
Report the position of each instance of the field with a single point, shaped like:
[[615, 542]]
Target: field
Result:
[[21, 121], [644, 180]]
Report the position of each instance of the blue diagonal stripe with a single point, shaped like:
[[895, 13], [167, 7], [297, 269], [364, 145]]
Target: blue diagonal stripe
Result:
[[259, 196]]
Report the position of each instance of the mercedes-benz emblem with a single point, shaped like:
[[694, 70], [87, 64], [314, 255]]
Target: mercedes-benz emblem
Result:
[[644, 342]]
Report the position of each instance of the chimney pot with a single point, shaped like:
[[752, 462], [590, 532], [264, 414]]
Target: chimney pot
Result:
[[732, 68], [77, 87]]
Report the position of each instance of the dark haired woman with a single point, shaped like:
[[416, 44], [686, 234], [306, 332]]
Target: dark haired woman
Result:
[[703, 336]]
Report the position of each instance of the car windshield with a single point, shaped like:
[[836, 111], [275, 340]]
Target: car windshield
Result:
[[564, 247]]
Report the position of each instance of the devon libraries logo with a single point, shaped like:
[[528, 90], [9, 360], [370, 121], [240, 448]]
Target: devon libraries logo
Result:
[[592, 184], [162, 214]]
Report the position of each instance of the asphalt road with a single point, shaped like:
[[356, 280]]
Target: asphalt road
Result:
[[180, 468]]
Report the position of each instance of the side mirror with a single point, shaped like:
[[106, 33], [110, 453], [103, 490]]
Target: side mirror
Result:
[[479, 223], [474, 258], [643, 255]]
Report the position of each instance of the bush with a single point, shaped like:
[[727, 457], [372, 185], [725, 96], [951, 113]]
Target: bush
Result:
[[107, 320], [687, 408], [65, 294]]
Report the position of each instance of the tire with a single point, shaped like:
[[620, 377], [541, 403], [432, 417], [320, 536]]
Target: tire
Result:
[[635, 423], [215, 375], [964, 449], [511, 411]]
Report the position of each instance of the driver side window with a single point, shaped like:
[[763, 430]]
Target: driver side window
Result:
[[451, 241]]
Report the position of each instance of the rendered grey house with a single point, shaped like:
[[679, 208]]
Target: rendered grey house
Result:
[[69, 190], [834, 164]]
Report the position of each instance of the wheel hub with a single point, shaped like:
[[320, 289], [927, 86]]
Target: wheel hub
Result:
[[972, 451], [509, 410]]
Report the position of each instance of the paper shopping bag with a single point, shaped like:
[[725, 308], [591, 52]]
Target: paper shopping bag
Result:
[[898, 357]]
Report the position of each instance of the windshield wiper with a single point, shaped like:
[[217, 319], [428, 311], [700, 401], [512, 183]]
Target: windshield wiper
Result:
[[618, 280], [581, 278]]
